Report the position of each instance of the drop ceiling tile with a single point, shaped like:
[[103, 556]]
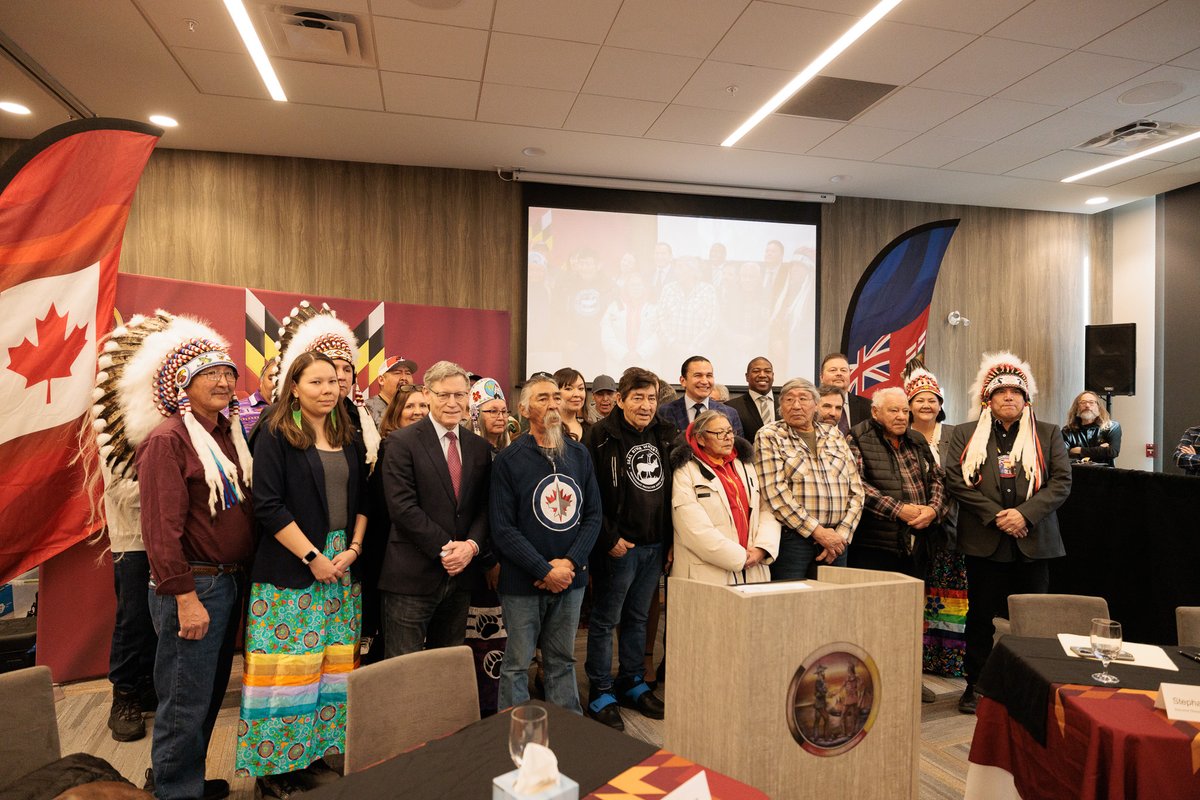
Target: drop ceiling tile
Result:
[[697, 125], [988, 65], [678, 27], [1065, 23], [1066, 129], [856, 8], [993, 119], [892, 52], [213, 29], [1161, 34], [955, 15], [638, 75], [538, 63], [420, 48], [912, 109], [1188, 60], [229, 74], [1185, 83], [573, 20], [1057, 166], [856, 143], [1187, 112], [429, 96], [997, 159], [327, 85], [464, 14], [1075, 78], [708, 88], [617, 116], [520, 105], [930, 150], [780, 37], [781, 134]]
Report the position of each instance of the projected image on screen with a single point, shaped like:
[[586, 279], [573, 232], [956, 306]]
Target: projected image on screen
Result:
[[613, 290]]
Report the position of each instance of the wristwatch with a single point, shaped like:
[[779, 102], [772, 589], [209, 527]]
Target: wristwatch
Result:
[[310, 556]]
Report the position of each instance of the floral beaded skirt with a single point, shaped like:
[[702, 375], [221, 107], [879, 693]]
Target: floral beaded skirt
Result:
[[300, 646]]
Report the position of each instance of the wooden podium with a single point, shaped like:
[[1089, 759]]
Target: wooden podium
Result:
[[800, 692]]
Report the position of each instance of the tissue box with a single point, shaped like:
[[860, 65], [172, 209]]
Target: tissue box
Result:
[[502, 789]]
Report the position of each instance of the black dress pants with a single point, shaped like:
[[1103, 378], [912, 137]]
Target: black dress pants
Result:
[[989, 583]]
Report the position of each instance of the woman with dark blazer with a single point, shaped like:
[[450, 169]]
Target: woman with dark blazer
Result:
[[304, 619]]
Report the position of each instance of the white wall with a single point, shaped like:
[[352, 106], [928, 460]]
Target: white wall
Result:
[[1134, 301]]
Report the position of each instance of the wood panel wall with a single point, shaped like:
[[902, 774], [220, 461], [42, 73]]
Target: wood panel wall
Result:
[[453, 237], [1023, 279]]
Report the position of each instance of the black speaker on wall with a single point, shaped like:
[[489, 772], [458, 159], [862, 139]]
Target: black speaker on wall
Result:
[[1111, 358]]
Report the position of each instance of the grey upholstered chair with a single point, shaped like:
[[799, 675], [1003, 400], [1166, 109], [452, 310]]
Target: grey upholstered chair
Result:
[[27, 697], [1048, 615], [1187, 625], [401, 702]]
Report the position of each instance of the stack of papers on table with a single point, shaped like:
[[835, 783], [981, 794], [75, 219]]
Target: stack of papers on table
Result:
[[1144, 655]]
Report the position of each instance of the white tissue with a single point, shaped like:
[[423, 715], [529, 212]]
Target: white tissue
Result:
[[538, 772]]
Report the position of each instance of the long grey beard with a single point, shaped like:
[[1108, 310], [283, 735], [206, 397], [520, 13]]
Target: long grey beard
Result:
[[554, 432], [1087, 417]]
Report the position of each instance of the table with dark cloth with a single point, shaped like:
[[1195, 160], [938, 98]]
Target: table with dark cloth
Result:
[[463, 765], [1131, 538], [1061, 735]]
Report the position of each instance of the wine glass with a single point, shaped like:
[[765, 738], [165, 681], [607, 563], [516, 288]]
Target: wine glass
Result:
[[1106, 644], [529, 724]]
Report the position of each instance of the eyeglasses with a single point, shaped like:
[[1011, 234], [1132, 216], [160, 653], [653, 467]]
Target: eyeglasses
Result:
[[444, 396], [493, 410], [211, 376], [721, 434]]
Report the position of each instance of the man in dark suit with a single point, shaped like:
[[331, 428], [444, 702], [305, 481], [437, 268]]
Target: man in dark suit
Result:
[[1007, 493], [435, 480], [835, 371], [757, 407], [696, 376]]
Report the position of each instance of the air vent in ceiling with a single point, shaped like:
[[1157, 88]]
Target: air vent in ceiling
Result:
[[835, 98], [304, 33], [1135, 137]]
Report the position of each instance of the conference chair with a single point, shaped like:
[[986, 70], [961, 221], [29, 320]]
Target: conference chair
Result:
[[31, 740], [401, 702], [1047, 615], [1187, 625]]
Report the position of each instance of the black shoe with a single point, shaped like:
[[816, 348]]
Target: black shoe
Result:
[[125, 720], [215, 789], [968, 701], [927, 695], [287, 785], [603, 708], [640, 697]]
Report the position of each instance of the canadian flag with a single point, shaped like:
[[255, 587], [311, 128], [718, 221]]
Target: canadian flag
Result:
[[64, 201]]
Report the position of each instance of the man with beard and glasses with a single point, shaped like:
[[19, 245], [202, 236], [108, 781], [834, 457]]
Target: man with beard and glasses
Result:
[[545, 515], [1092, 437]]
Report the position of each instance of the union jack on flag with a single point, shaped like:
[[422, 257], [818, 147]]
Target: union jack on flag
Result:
[[888, 318]]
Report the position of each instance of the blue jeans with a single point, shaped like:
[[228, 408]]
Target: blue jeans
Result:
[[415, 621], [191, 676], [131, 656], [797, 554], [622, 596], [547, 621]]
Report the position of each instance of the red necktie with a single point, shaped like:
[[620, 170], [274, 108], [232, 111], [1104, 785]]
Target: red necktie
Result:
[[453, 461]]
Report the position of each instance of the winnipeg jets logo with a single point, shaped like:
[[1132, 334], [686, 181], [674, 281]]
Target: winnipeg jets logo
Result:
[[556, 502], [645, 467]]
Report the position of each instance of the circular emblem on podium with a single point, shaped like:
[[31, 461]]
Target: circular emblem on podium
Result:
[[833, 699]]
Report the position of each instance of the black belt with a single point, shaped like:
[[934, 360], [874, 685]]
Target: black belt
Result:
[[216, 569]]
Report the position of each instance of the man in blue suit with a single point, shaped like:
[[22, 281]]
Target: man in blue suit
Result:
[[696, 376]]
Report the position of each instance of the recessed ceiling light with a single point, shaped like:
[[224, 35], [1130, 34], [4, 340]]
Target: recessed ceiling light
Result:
[[808, 73], [163, 121], [14, 108], [241, 20], [533, 151], [1095, 201], [839, 178], [1123, 161]]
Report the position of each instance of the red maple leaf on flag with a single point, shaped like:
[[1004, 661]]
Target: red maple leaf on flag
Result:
[[52, 356]]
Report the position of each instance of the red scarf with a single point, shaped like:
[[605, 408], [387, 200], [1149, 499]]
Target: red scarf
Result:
[[731, 484]]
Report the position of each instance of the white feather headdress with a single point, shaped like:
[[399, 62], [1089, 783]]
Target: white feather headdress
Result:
[[996, 371]]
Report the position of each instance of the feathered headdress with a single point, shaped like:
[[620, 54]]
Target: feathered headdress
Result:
[[920, 380], [307, 329], [996, 371], [144, 368]]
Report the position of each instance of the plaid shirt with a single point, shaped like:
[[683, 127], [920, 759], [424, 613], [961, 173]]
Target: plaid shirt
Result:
[[805, 489], [1189, 462], [917, 488]]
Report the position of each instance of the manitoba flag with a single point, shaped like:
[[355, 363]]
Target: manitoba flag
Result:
[[64, 200]]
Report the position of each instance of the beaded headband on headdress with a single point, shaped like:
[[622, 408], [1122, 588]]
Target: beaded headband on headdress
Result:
[[921, 380], [183, 364], [333, 346]]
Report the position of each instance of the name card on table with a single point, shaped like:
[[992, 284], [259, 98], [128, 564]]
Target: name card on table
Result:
[[694, 788], [1180, 701]]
